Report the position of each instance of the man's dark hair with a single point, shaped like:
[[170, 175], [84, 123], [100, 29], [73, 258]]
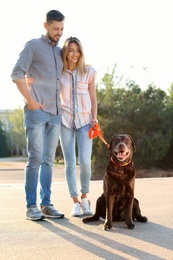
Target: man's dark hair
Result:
[[54, 15]]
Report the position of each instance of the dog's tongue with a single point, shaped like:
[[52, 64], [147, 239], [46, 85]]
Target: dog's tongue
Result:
[[121, 155]]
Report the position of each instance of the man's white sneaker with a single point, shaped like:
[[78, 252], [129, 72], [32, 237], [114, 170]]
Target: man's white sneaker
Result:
[[76, 212], [86, 207]]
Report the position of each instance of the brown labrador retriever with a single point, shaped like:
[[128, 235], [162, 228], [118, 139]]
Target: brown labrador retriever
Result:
[[117, 203]]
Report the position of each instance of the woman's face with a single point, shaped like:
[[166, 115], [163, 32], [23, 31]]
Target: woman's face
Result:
[[74, 53]]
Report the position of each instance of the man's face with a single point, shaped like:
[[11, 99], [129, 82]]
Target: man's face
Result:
[[54, 31]]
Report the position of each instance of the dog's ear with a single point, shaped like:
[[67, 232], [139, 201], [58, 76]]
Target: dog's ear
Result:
[[111, 141], [133, 143]]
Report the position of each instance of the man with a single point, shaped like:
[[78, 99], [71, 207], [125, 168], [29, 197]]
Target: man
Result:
[[41, 60]]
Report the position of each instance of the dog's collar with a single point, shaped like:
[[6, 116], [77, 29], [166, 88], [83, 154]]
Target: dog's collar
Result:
[[118, 164]]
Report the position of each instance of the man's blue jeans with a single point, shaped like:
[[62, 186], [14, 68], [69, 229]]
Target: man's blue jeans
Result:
[[84, 148], [42, 134]]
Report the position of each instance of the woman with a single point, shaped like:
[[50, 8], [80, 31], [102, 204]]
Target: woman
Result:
[[79, 112]]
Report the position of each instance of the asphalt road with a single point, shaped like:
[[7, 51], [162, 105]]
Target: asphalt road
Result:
[[69, 238]]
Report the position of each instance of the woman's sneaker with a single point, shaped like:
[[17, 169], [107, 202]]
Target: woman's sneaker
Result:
[[86, 207], [76, 211], [33, 213]]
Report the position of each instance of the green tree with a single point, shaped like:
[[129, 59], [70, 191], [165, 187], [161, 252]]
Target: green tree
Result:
[[154, 134], [167, 161], [15, 128], [3, 142]]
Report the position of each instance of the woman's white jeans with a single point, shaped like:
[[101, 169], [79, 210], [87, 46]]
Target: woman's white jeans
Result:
[[69, 138]]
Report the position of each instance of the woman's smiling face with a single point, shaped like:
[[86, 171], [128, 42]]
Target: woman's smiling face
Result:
[[74, 53]]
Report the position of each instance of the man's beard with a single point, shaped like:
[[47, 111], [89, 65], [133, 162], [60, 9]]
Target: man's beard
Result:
[[52, 39]]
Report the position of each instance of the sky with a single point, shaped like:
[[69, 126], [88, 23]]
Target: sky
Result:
[[136, 35]]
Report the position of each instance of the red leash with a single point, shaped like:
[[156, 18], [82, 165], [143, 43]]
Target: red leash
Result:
[[96, 131]]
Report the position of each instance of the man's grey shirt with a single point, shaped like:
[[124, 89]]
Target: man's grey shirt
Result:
[[43, 63]]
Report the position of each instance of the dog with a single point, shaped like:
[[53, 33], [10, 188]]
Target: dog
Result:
[[117, 202]]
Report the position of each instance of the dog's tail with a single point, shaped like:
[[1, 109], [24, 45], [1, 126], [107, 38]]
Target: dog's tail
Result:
[[90, 219]]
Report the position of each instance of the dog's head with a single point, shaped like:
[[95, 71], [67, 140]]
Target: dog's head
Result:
[[121, 148]]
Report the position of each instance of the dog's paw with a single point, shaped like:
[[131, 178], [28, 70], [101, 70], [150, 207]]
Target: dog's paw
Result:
[[142, 219], [130, 226], [107, 226]]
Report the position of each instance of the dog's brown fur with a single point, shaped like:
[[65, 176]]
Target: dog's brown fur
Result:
[[117, 203]]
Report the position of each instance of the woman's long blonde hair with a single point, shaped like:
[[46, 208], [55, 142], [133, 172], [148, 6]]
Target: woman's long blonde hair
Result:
[[81, 62]]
